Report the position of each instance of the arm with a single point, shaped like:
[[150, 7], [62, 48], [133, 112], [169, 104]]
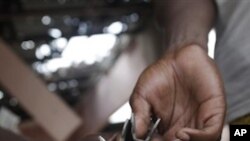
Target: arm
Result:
[[184, 87], [186, 22]]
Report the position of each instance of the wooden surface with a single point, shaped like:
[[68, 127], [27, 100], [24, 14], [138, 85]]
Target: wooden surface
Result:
[[48, 110]]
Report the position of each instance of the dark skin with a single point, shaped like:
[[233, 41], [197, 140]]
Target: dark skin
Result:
[[187, 96], [183, 88]]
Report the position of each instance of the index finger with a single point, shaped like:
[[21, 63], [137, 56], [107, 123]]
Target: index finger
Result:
[[142, 114]]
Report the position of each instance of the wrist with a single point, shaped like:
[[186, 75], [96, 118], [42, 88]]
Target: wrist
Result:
[[194, 50], [176, 38]]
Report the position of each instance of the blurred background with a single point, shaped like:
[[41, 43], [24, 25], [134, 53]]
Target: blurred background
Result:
[[68, 67], [87, 54]]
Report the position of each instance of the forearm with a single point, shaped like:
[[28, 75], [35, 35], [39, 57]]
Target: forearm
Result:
[[186, 22]]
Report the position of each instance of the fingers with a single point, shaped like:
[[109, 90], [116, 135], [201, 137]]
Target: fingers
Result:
[[142, 115], [205, 129], [157, 138], [211, 132], [189, 134]]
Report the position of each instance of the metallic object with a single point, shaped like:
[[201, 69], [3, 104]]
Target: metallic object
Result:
[[128, 133], [101, 138]]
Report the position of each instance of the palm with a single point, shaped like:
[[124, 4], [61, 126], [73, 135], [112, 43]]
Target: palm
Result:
[[184, 90]]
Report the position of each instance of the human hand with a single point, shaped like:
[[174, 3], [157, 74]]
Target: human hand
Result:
[[185, 90]]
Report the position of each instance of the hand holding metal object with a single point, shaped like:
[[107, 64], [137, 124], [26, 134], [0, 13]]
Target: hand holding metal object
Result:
[[128, 133]]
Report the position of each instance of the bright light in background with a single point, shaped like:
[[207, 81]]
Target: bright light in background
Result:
[[38, 67], [55, 32], [121, 115], [43, 51], [59, 43], [211, 43], [27, 45], [115, 28], [1, 95], [51, 65], [46, 20], [89, 49], [78, 49], [56, 63], [75, 49]]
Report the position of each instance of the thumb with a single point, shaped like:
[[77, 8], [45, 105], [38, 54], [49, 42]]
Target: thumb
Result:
[[188, 134], [141, 112]]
